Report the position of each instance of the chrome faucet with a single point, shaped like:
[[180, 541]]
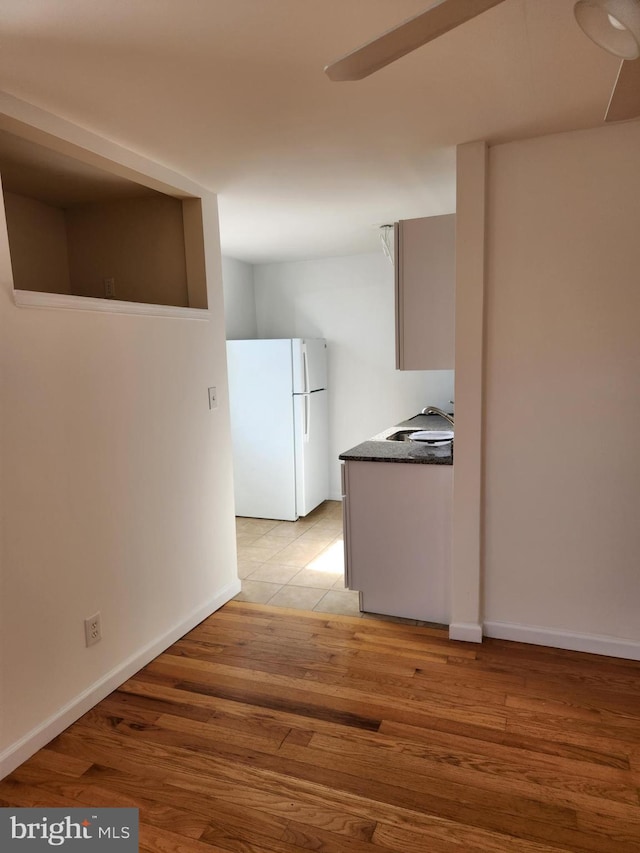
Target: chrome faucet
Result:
[[434, 410]]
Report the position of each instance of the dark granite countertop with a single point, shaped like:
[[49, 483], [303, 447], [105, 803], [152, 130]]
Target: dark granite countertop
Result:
[[378, 449]]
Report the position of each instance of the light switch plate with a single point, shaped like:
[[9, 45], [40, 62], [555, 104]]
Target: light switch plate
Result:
[[213, 398]]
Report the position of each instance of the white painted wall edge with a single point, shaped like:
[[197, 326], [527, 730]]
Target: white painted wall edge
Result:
[[595, 644], [38, 299], [37, 125], [468, 632], [467, 532], [34, 740]]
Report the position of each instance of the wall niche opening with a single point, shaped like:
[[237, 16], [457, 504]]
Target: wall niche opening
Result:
[[79, 230]]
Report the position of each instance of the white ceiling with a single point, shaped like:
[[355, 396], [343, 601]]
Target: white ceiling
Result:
[[231, 93]]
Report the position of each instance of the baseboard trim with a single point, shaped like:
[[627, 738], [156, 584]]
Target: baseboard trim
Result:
[[468, 632], [595, 644], [38, 737]]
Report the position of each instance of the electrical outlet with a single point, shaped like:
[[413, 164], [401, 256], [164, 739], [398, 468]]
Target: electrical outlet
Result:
[[213, 398], [110, 288], [92, 629]]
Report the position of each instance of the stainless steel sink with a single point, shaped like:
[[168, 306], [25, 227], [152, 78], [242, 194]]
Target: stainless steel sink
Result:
[[402, 435], [427, 438]]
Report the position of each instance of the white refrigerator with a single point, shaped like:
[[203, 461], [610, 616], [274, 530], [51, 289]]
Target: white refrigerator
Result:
[[279, 426]]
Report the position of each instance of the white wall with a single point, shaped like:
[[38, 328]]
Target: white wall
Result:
[[30, 224], [349, 301], [562, 409], [116, 486], [139, 242], [239, 300]]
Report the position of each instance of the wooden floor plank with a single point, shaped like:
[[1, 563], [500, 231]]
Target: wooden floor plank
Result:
[[531, 752], [270, 730], [544, 784], [452, 839], [215, 678]]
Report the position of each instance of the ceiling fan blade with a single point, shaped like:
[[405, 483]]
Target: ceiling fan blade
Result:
[[445, 15], [625, 98]]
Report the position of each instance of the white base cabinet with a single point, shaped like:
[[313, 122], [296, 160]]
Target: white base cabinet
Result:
[[397, 537]]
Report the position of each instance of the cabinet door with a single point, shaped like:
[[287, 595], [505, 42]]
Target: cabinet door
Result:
[[345, 525], [398, 538], [425, 293]]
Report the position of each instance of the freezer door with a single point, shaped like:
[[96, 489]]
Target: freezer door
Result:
[[312, 450], [309, 357], [262, 428]]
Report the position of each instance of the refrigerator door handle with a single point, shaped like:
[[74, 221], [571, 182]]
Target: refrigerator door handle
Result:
[[305, 368], [307, 417]]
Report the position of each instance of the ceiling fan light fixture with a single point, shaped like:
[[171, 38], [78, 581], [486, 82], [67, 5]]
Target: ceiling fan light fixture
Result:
[[612, 24], [615, 23]]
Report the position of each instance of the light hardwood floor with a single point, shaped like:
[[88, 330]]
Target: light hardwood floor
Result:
[[269, 730]]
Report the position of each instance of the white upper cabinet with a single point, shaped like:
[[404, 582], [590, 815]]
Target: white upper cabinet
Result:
[[425, 293]]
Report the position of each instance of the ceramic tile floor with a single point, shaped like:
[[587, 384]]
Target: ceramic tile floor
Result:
[[298, 564]]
